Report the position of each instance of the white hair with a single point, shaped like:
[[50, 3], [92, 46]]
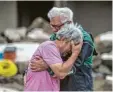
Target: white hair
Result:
[[65, 14], [71, 33]]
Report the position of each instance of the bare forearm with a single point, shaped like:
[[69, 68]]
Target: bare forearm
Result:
[[64, 69], [67, 66]]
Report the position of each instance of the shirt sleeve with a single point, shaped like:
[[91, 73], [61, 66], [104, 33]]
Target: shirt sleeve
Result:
[[51, 54]]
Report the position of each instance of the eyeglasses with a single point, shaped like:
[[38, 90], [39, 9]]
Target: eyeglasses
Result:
[[59, 26]]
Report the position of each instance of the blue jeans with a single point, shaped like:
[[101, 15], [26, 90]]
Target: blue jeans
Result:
[[80, 81]]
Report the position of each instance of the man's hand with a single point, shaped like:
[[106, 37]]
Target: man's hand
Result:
[[76, 48], [38, 65]]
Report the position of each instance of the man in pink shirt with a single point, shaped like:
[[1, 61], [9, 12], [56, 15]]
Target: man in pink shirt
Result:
[[50, 52]]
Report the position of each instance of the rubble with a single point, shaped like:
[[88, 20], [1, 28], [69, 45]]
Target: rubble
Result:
[[39, 22], [4, 89], [15, 83], [103, 62], [104, 48], [104, 70], [107, 85], [104, 42], [2, 40], [109, 78], [14, 34], [22, 66], [107, 60], [38, 33], [96, 62]]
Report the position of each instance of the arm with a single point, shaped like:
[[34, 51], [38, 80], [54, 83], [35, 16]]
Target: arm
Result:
[[40, 65], [59, 68]]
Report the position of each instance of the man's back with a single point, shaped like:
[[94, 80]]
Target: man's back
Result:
[[81, 79], [42, 81]]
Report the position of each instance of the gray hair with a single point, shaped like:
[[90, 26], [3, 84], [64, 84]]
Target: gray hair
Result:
[[71, 33], [65, 14]]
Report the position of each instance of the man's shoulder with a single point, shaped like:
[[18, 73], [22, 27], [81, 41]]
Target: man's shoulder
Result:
[[53, 37], [86, 35], [48, 44]]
